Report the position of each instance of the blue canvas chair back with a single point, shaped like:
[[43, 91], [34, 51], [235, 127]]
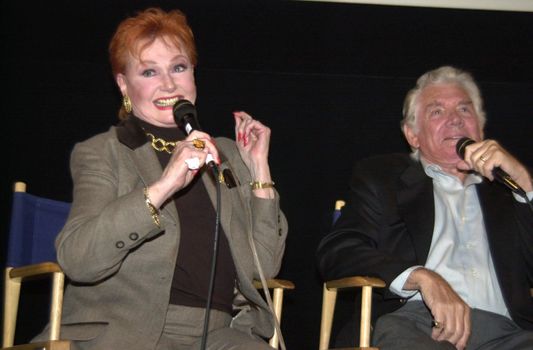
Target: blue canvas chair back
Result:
[[35, 223], [337, 212]]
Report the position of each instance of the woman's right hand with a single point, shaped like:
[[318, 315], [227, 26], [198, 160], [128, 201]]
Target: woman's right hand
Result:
[[178, 174]]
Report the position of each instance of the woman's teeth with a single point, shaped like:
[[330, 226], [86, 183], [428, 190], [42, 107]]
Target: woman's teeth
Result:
[[167, 102]]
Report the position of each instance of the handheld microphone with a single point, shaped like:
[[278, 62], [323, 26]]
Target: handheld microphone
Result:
[[185, 116], [500, 175]]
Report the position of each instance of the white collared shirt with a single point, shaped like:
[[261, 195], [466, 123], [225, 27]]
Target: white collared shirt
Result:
[[459, 249]]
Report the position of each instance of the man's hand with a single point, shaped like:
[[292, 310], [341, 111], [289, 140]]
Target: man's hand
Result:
[[448, 309]]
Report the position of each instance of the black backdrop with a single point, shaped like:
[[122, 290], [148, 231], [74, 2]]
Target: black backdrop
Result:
[[329, 79]]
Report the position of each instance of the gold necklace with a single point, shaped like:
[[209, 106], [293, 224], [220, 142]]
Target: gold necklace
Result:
[[161, 145]]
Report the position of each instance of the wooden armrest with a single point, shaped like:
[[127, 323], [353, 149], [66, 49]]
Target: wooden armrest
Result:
[[275, 283], [329, 297], [48, 345], [355, 281], [34, 270]]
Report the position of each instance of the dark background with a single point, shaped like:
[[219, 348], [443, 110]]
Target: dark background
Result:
[[329, 79]]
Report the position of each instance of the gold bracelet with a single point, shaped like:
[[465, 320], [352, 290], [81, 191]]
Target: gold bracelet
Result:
[[153, 210], [257, 185]]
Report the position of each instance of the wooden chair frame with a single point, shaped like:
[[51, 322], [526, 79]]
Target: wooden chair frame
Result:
[[13, 278], [329, 298], [278, 287]]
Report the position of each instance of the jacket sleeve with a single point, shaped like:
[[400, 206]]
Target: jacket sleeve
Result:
[[269, 233], [268, 223], [366, 238], [103, 225]]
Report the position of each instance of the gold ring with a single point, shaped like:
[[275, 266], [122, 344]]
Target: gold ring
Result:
[[198, 144], [483, 158], [436, 324]]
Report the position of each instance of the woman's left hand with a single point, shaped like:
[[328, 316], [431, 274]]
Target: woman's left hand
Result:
[[253, 140]]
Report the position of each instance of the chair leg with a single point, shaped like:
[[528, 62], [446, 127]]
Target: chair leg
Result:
[[329, 298], [366, 311], [278, 303], [11, 301], [56, 305]]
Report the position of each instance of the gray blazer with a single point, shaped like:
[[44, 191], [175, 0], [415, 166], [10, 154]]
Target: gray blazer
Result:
[[120, 264]]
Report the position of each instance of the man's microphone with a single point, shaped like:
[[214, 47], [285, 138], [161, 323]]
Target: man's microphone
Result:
[[500, 175], [185, 117]]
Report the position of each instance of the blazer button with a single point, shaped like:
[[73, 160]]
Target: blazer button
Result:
[[119, 244], [134, 236]]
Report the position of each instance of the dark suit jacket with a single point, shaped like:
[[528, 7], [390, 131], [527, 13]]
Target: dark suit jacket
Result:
[[387, 226], [120, 264]]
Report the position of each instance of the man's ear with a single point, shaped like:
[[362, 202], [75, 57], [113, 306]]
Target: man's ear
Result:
[[121, 82], [411, 136]]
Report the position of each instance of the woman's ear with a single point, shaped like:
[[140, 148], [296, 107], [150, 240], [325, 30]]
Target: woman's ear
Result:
[[121, 82]]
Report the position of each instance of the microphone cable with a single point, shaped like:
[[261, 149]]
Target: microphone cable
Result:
[[213, 260]]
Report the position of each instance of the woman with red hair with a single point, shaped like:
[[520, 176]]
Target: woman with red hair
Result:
[[138, 242]]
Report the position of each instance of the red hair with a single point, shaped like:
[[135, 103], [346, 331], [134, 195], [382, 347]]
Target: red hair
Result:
[[145, 28]]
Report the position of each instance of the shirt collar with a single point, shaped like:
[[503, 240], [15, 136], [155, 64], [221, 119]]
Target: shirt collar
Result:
[[447, 180]]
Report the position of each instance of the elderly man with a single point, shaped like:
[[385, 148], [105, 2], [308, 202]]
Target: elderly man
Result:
[[455, 247]]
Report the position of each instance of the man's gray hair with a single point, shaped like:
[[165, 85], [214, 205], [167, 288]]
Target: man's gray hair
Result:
[[442, 75]]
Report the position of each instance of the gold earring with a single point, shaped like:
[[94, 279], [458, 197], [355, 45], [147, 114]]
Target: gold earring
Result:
[[126, 102]]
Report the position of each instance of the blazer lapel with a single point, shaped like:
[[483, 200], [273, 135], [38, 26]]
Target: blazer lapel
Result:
[[416, 206], [146, 164], [143, 158], [497, 208]]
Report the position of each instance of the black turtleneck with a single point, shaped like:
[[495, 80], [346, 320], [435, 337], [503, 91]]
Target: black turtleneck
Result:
[[197, 226]]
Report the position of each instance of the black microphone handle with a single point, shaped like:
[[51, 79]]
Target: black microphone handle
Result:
[[190, 124], [505, 179]]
